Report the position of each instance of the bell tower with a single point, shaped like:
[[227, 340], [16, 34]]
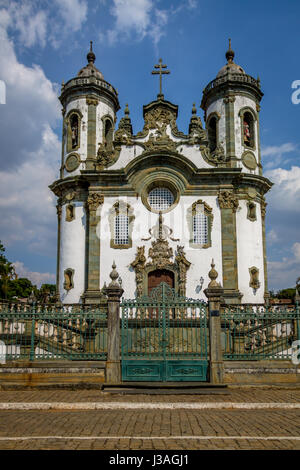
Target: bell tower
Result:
[[231, 103], [89, 107]]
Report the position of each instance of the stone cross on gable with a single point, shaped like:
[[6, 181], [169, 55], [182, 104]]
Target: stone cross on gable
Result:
[[160, 72]]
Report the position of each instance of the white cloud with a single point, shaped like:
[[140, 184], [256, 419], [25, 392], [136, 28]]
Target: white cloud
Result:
[[36, 22], [30, 154], [36, 278], [272, 236], [138, 19], [284, 273], [285, 195], [274, 154], [73, 13]]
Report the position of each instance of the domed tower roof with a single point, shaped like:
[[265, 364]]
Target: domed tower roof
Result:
[[90, 69], [231, 66]]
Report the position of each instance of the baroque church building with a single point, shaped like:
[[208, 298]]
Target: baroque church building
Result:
[[161, 203]]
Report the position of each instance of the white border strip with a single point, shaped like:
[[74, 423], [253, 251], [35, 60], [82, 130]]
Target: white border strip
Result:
[[146, 406], [148, 438]]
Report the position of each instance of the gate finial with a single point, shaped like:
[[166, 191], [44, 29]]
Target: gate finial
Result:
[[213, 276], [114, 275]]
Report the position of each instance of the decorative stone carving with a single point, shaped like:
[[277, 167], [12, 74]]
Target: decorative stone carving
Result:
[[217, 157], [70, 212], [58, 210], [161, 231], [94, 200], [139, 265], [229, 99], [159, 116], [72, 162], [68, 276], [263, 206], [183, 265], [160, 254], [254, 277], [91, 101], [160, 141], [251, 211], [228, 200]]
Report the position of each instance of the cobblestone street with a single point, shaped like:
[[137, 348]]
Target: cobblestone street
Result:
[[141, 429]]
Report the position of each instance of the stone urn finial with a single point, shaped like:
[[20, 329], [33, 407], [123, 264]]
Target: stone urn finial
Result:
[[213, 276], [114, 275]]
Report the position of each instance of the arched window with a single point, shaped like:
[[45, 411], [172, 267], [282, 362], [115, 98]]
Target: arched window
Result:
[[73, 123], [107, 135], [248, 119], [121, 225], [201, 225], [212, 133]]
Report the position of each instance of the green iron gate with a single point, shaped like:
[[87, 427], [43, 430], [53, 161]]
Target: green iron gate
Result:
[[164, 337]]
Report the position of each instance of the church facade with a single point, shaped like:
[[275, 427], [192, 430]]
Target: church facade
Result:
[[161, 203]]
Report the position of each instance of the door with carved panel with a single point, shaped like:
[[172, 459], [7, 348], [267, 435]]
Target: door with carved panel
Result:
[[155, 278]]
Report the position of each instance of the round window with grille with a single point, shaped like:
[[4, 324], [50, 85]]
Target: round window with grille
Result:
[[160, 199]]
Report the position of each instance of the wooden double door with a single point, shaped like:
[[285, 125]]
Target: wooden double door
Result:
[[155, 278]]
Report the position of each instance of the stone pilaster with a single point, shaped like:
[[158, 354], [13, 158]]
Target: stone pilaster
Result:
[[214, 293], [91, 133], [59, 212], [228, 203], [263, 224], [230, 129], [113, 363], [92, 293]]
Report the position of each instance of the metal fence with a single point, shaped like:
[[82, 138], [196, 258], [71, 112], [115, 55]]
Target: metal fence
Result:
[[255, 332], [49, 332]]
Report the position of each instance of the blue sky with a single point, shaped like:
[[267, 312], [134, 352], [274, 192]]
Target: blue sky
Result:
[[45, 42]]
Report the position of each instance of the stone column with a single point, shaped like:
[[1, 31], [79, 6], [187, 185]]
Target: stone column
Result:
[[113, 363], [59, 212], [214, 294], [228, 203], [92, 293]]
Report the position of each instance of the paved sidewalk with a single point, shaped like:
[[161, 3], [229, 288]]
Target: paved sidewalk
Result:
[[155, 428], [245, 395]]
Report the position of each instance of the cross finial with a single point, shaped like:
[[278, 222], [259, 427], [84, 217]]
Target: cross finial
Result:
[[160, 72]]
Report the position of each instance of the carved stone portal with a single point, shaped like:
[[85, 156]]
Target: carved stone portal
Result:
[[160, 254]]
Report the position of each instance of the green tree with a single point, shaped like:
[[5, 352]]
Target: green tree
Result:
[[286, 293], [7, 273]]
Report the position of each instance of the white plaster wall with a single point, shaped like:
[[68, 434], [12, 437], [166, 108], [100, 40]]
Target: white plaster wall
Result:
[[73, 253], [177, 221], [241, 102], [127, 154], [249, 252], [218, 106]]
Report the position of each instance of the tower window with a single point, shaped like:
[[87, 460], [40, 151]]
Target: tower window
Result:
[[74, 130], [73, 122], [248, 130], [212, 133]]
